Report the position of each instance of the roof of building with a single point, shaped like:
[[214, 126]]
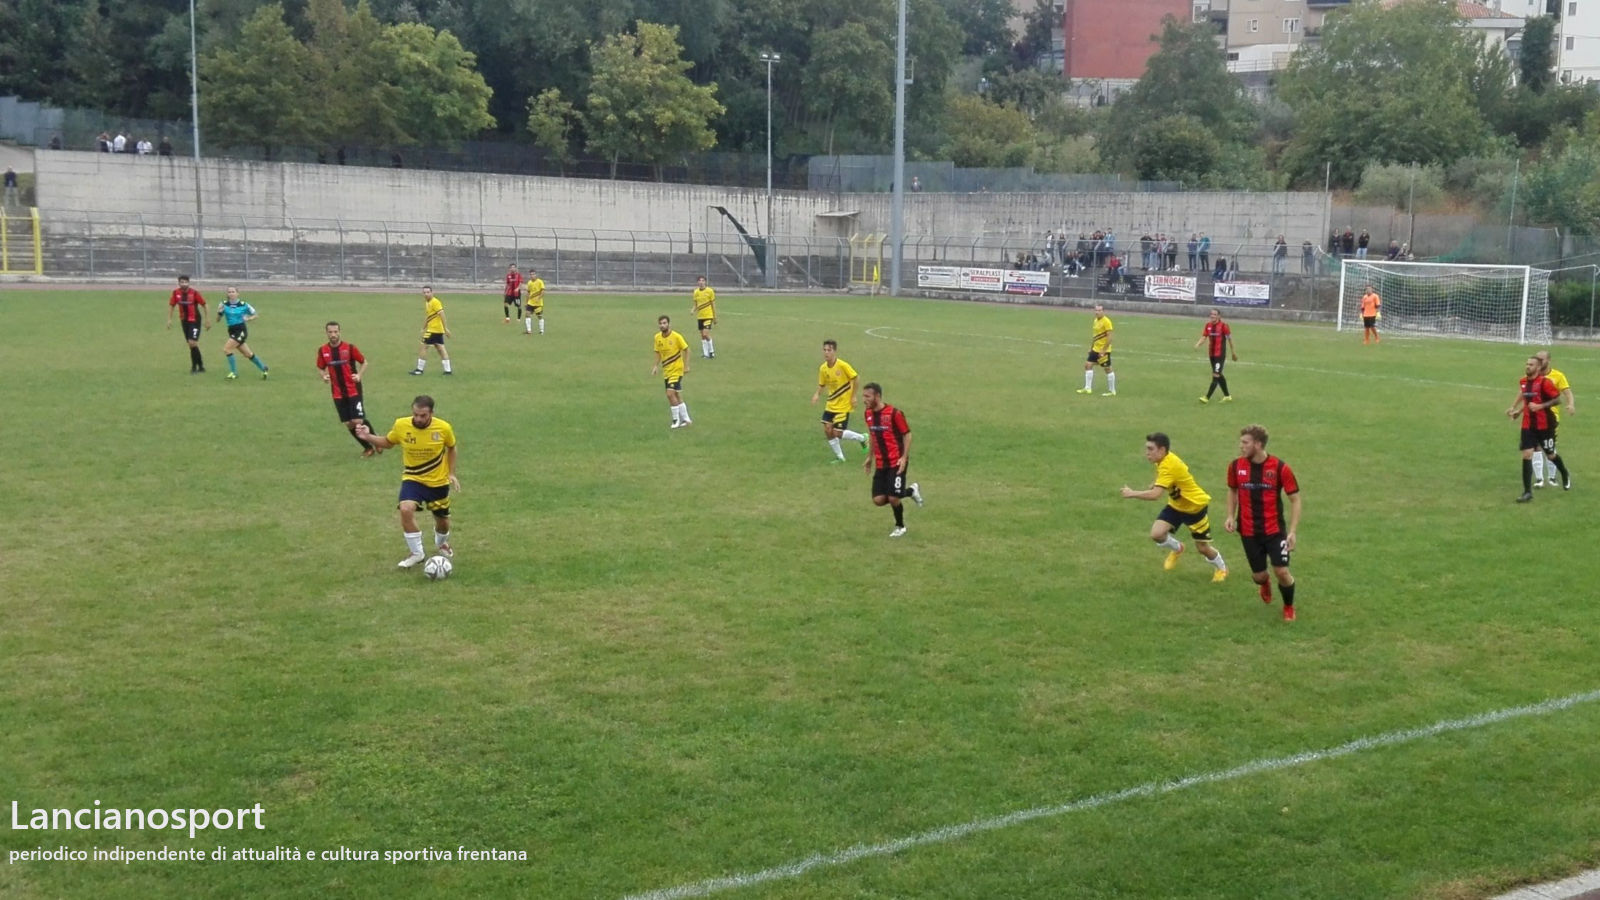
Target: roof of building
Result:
[[1469, 9]]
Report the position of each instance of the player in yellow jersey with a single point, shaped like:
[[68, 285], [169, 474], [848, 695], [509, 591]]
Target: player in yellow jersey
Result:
[[1560, 381], [838, 380], [671, 355], [534, 305], [429, 448], [1099, 354], [1188, 505], [705, 315], [434, 331]]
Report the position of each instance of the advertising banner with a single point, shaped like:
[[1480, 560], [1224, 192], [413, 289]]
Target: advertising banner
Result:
[[1170, 287], [1243, 293], [937, 277], [1019, 282], [982, 279]]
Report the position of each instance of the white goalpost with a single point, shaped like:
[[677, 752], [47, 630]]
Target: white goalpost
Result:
[[1480, 302]]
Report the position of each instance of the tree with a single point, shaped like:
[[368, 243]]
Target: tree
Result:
[[352, 66], [1176, 148], [440, 95], [641, 103], [984, 24], [1536, 63], [550, 121], [1384, 85], [981, 134], [257, 93], [848, 81], [33, 39], [92, 81], [1034, 91], [1564, 190], [1400, 187]]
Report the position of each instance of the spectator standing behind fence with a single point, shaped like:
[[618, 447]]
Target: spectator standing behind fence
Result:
[[11, 186], [1205, 251], [1280, 256], [1145, 242], [1111, 243], [1172, 253], [165, 149], [119, 144], [145, 147], [1362, 243], [1194, 252], [1308, 257], [1333, 242], [1347, 242], [102, 142], [1394, 251], [916, 185], [55, 142]]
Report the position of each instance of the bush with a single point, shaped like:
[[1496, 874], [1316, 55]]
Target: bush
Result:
[[1390, 184], [1570, 302]]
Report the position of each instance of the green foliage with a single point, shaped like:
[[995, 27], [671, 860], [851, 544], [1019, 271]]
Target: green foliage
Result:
[[353, 63], [91, 77], [1384, 85], [440, 96], [254, 92], [849, 80], [34, 35], [1486, 180], [1034, 91], [984, 24], [1393, 185], [1564, 190], [1537, 61], [1175, 148], [642, 104], [550, 121], [1573, 302], [981, 134]]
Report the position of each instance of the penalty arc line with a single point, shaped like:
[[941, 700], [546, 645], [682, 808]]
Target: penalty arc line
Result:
[[950, 833]]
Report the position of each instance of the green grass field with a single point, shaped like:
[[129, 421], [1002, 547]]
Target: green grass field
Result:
[[667, 656]]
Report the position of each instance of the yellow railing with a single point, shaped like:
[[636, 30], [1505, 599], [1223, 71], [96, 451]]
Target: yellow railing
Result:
[[35, 259], [866, 259]]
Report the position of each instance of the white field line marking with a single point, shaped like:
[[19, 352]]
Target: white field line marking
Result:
[[949, 833]]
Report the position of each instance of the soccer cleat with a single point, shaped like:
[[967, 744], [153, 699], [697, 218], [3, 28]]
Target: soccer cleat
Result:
[[687, 422], [713, 356], [506, 322], [264, 374], [835, 461], [1085, 391], [677, 424], [899, 531], [1219, 576], [1266, 592], [1109, 394], [1205, 400], [368, 453], [1288, 614], [916, 494], [1566, 483], [1527, 497], [410, 561], [414, 372], [1227, 398], [1539, 483], [446, 551], [864, 445], [1172, 559], [231, 376], [446, 371]]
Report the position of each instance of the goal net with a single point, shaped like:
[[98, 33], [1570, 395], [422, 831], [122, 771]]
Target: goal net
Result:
[[1489, 303]]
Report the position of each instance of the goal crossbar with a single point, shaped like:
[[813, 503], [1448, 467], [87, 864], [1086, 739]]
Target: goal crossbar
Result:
[[1468, 300]]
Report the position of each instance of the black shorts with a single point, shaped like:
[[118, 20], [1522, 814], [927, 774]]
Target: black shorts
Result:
[[673, 384], [191, 331], [1369, 321], [840, 421], [350, 408], [1198, 523], [514, 299], [890, 483], [705, 324], [436, 338], [433, 499], [1266, 548], [238, 333], [1216, 365], [1104, 359], [1539, 439]]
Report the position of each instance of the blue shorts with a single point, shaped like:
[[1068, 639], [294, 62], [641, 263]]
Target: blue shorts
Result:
[[433, 499], [1198, 523]]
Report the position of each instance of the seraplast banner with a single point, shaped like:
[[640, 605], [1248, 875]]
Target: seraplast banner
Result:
[[1243, 293], [982, 279], [938, 277], [1020, 282], [1170, 287]]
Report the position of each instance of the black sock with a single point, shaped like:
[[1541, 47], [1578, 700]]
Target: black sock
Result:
[[195, 362], [1224, 382], [364, 444], [1212, 389], [1527, 476], [899, 515], [1287, 591], [1560, 466]]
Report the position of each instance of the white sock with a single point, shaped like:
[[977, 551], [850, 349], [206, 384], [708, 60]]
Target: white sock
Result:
[[414, 542], [683, 410], [441, 537], [421, 363], [541, 324], [527, 325], [1218, 563], [849, 435], [1538, 465], [675, 418], [1171, 543], [446, 365], [711, 345], [1111, 381], [1088, 379], [833, 444], [705, 347]]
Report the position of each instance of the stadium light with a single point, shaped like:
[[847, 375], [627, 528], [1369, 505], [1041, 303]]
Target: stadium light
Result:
[[771, 59], [897, 217], [194, 112]]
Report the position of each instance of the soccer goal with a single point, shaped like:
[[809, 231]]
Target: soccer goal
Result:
[[1488, 303]]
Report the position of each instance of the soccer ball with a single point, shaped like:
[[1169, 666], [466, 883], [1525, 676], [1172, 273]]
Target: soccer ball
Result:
[[437, 568]]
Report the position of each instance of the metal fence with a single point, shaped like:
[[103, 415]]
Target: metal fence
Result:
[[133, 247], [870, 174]]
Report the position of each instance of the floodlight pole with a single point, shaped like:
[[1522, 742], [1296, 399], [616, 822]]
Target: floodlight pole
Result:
[[897, 216], [770, 59], [194, 114]]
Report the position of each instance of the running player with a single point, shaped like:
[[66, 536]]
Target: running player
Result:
[[837, 378], [1187, 506], [429, 447], [1221, 337], [1536, 396], [511, 305], [1371, 311], [672, 361], [237, 313], [705, 314], [891, 450], [191, 313], [434, 331], [1099, 354], [1558, 379], [535, 305], [1257, 482], [341, 365]]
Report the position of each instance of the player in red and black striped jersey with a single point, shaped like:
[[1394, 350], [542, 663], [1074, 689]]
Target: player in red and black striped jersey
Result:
[[1220, 336], [191, 309], [889, 436], [513, 299], [1257, 482], [341, 365], [1536, 394]]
